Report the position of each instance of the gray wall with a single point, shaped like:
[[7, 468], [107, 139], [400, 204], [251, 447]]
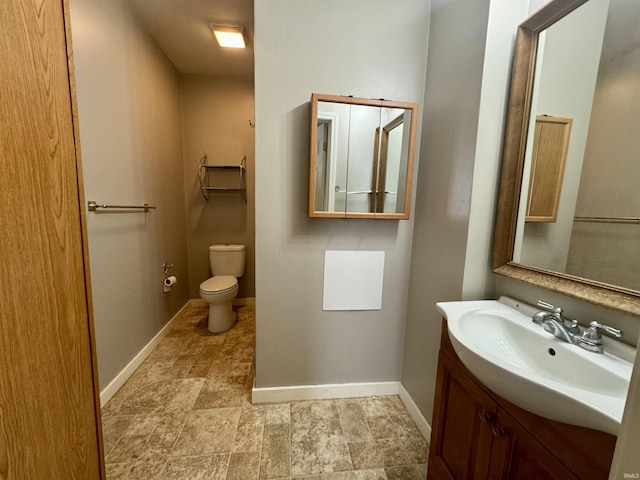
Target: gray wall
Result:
[[325, 47], [452, 100], [129, 111], [215, 120]]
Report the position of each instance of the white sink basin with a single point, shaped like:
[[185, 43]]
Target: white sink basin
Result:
[[517, 359]]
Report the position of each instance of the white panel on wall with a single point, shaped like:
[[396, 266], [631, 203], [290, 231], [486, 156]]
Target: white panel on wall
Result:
[[352, 280]]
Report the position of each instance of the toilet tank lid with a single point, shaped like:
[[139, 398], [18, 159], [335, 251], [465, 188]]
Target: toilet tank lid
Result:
[[226, 248]]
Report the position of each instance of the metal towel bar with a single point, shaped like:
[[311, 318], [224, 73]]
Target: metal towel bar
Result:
[[94, 206], [364, 192], [607, 219]]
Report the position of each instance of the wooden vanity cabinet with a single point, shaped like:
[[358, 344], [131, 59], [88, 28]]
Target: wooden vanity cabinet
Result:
[[516, 454], [461, 435], [479, 435]]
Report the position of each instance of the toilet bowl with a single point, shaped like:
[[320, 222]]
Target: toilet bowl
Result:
[[227, 264], [218, 292]]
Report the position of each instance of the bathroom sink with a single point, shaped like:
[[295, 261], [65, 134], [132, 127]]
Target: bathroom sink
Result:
[[520, 361]]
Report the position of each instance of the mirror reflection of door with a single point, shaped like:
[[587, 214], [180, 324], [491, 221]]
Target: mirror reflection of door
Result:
[[324, 193], [389, 169], [327, 164], [332, 123], [387, 164]]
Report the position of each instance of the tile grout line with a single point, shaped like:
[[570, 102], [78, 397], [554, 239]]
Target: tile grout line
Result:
[[260, 451], [346, 440]]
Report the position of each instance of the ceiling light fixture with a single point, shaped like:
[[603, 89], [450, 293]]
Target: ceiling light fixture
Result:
[[230, 37]]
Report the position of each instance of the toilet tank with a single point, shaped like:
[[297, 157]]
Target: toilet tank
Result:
[[227, 259]]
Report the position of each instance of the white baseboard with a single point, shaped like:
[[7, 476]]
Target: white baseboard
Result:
[[415, 413], [237, 302], [111, 389], [319, 392]]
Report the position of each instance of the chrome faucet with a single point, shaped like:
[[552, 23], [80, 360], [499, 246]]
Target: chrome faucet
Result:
[[557, 327], [553, 321]]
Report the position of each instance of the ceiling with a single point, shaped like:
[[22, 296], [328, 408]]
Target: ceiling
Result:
[[181, 28]]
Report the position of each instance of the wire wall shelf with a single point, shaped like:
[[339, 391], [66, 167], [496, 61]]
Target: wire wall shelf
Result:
[[218, 180]]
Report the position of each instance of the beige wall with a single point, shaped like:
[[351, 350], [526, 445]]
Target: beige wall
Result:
[[129, 110], [338, 49], [215, 120]]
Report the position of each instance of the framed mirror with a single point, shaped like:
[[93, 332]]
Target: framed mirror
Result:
[[361, 157], [577, 60]]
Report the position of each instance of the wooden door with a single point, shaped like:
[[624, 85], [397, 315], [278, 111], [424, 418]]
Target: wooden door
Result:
[[462, 427], [49, 414], [517, 454]]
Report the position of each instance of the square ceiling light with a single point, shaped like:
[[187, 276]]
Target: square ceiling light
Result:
[[230, 37]]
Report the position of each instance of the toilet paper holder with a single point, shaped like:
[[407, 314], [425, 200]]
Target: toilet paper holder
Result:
[[166, 266], [169, 280]]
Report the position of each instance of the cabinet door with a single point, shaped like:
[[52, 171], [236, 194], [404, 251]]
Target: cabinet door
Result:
[[462, 428], [517, 454], [550, 146]]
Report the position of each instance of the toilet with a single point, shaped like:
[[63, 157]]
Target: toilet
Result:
[[227, 264]]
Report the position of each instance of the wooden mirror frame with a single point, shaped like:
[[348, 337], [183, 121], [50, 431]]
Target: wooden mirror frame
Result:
[[406, 201], [518, 113]]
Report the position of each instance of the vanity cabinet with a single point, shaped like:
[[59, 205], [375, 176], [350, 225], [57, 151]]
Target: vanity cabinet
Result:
[[516, 454], [462, 426], [479, 435]]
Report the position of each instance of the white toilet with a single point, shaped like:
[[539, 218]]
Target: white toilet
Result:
[[227, 264]]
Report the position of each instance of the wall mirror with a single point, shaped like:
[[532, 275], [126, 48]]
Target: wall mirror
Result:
[[361, 157], [578, 60]]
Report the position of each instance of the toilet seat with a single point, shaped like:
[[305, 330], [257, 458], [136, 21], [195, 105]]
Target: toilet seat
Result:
[[219, 284]]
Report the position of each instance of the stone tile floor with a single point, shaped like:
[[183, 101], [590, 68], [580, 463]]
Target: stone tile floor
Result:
[[186, 413]]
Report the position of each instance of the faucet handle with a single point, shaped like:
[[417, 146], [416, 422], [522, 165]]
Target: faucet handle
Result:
[[549, 307], [540, 317], [593, 332]]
